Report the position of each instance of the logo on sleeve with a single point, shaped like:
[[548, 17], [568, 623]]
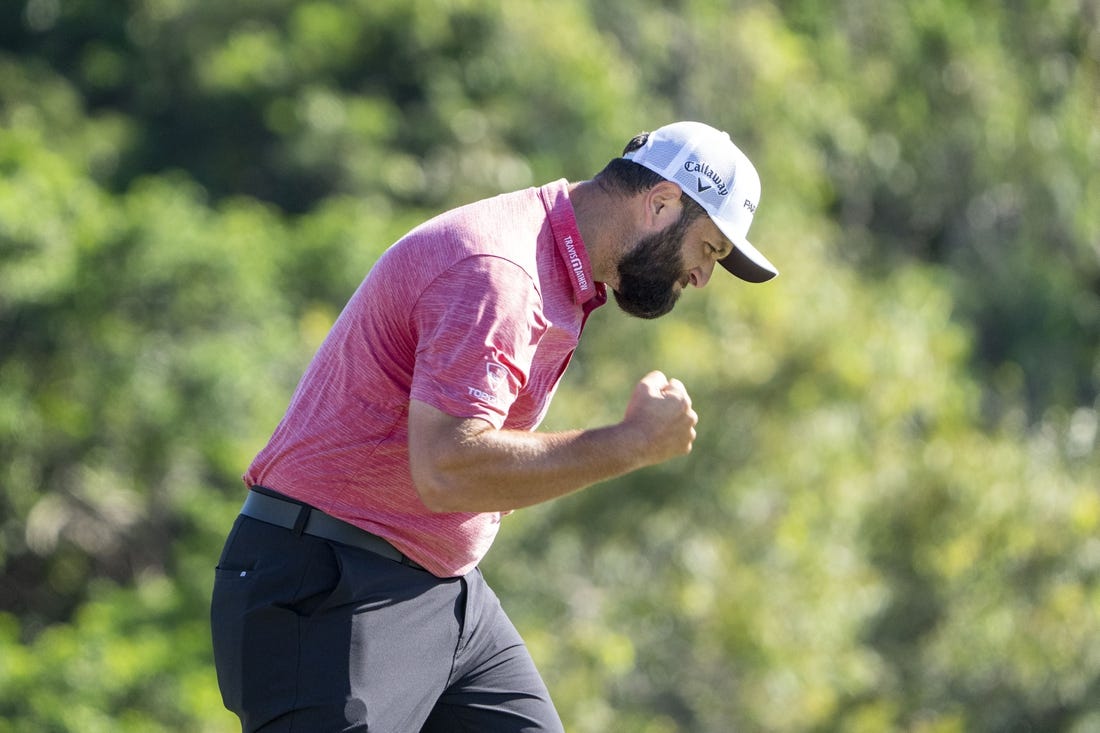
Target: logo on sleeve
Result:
[[496, 374]]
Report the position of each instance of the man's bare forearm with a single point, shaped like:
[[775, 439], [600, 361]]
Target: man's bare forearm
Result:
[[466, 465], [499, 470]]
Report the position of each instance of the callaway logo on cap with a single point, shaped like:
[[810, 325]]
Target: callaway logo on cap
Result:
[[706, 164]]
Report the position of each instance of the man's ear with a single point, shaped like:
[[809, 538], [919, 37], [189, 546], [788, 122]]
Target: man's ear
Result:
[[662, 205]]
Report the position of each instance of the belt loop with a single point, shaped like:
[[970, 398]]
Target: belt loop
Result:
[[300, 522]]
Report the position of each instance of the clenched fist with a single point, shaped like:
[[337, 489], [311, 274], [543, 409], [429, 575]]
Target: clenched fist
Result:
[[660, 413]]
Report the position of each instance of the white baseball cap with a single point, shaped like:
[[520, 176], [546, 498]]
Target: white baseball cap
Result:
[[706, 164]]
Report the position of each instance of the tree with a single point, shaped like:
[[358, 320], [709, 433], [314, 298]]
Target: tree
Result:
[[888, 521]]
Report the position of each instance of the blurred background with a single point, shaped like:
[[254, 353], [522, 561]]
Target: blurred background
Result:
[[891, 519]]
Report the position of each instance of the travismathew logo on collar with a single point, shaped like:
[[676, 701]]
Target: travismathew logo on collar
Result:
[[694, 166], [568, 242], [575, 263]]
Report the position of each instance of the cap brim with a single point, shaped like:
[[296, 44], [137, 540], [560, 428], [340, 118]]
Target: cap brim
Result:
[[746, 262]]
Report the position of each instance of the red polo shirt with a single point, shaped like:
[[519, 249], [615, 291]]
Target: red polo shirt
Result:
[[475, 312]]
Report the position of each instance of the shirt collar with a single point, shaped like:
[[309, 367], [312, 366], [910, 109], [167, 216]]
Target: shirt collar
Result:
[[563, 224]]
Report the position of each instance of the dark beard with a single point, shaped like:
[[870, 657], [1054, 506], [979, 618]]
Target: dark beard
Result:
[[648, 273]]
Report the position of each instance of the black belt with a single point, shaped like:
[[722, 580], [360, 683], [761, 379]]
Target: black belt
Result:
[[304, 519]]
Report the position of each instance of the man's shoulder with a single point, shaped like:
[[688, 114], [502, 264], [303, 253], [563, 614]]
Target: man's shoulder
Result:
[[511, 207], [510, 225]]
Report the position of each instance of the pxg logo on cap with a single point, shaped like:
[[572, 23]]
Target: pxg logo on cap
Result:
[[707, 166]]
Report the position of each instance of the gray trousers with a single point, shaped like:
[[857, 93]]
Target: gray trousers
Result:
[[313, 636]]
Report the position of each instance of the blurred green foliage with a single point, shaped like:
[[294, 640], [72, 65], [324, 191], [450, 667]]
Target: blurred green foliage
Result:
[[891, 519]]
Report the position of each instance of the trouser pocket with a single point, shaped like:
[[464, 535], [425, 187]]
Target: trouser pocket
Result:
[[228, 609], [267, 581]]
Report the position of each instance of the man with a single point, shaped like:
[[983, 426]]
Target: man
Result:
[[347, 597]]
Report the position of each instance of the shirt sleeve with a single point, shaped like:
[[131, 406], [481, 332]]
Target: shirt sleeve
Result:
[[478, 325]]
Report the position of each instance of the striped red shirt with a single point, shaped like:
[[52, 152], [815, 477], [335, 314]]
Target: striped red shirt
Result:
[[475, 312]]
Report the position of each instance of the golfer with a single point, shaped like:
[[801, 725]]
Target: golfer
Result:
[[348, 595]]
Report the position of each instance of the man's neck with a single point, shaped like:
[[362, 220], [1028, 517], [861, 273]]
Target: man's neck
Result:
[[602, 221]]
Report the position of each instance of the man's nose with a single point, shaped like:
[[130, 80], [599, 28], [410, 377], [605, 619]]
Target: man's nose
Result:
[[700, 276]]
